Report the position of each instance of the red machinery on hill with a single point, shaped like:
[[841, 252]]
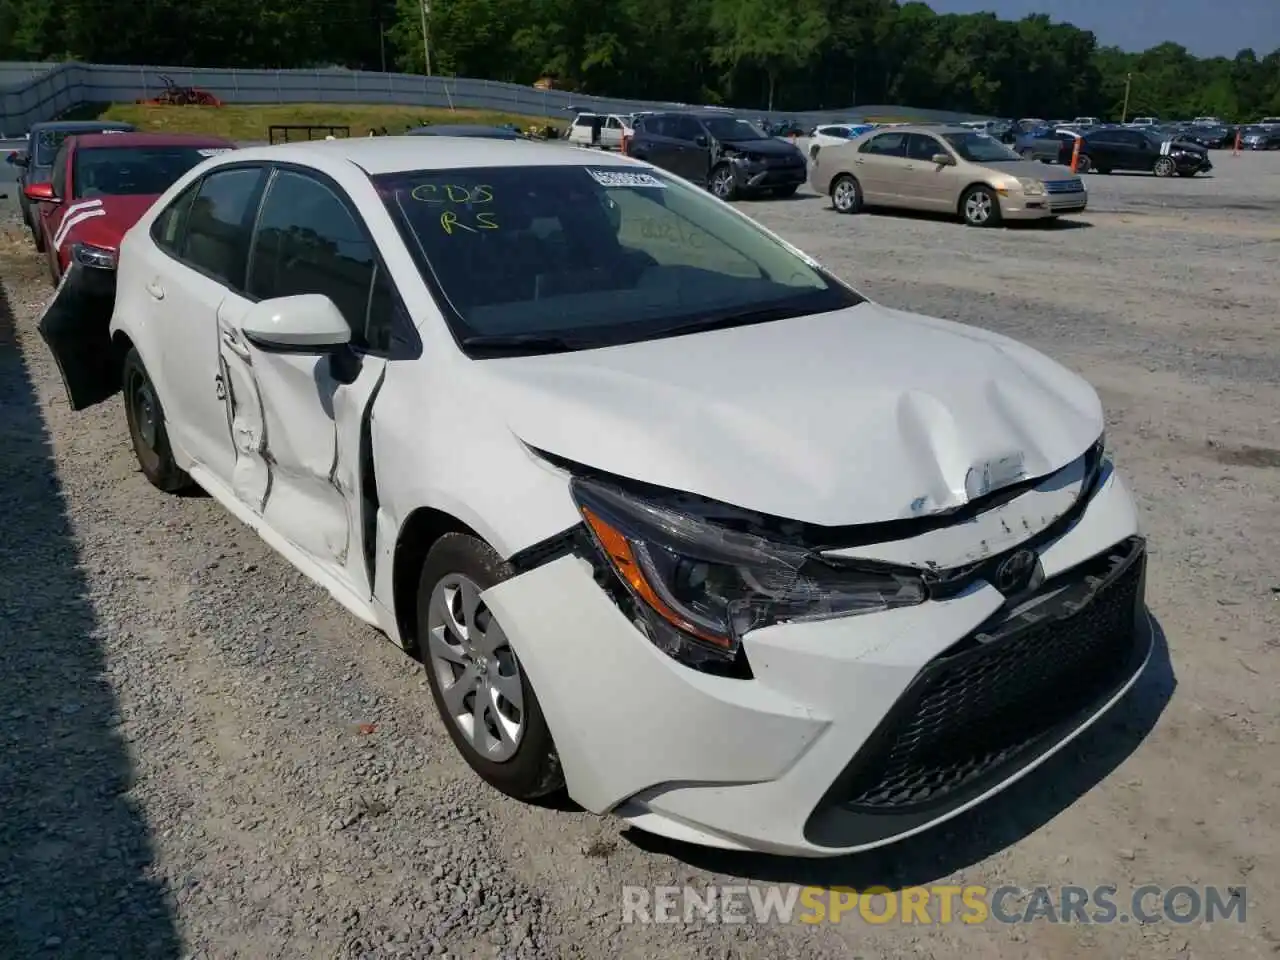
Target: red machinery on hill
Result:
[[176, 96]]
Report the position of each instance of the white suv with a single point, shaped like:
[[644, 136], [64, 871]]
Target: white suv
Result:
[[674, 518]]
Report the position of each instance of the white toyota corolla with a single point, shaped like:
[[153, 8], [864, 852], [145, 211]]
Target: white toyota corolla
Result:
[[673, 517]]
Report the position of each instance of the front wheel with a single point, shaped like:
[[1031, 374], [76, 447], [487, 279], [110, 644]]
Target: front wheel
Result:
[[846, 194], [1164, 167], [484, 697], [722, 182], [37, 237], [980, 207], [147, 427]]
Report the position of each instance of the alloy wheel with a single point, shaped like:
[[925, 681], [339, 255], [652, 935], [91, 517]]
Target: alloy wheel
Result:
[[477, 672], [845, 195], [977, 207], [722, 183]]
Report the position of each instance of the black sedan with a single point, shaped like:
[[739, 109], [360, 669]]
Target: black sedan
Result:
[[1118, 148], [1260, 138]]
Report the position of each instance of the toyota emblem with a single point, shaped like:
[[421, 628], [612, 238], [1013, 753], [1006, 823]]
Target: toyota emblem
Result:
[[1014, 571]]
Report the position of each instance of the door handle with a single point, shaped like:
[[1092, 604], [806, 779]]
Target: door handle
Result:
[[859, 161], [155, 290], [233, 344]]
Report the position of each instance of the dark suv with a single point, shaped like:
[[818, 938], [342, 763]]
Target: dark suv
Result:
[[1118, 148], [37, 166], [728, 155]]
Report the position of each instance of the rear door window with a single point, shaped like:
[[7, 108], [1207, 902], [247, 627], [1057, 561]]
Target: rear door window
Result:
[[217, 230]]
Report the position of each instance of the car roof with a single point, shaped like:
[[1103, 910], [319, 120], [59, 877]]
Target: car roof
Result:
[[932, 129], [86, 125], [463, 130], [151, 140], [377, 155]]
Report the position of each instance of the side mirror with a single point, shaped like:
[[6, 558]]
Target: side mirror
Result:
[[943, 159], [307, 323], [41, 193], [700, 140]]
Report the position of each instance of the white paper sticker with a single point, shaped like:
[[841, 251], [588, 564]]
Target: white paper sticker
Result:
[[213, 151], [112, 131], [625, 178]]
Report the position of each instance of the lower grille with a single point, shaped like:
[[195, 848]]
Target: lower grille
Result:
[[992, 699]]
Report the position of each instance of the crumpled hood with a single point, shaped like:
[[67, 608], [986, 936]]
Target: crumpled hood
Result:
[[857, 416]]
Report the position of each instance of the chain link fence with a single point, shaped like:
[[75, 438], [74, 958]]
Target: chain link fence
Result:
[[31, 93]]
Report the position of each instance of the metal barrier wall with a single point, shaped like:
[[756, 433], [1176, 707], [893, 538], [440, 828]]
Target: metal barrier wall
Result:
[[48, 91]]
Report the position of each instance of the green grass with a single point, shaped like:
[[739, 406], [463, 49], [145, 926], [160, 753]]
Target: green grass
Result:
[[250, 121]]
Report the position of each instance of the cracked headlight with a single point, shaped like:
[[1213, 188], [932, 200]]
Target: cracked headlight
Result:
[[699, 587], [1031, 187]]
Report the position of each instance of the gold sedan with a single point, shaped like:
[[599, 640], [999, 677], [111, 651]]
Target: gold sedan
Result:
[[944, 169]]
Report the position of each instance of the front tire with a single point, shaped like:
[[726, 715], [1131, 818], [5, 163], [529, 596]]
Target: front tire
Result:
[[846, 194], [1164, 168], [980, 207], [37, 237], [722, 183], [147, 427], [484, 697]]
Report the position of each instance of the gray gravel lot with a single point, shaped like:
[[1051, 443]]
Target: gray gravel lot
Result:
[[201, 755]]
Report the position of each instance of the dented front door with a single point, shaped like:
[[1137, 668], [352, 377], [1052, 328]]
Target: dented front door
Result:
[[297, 433]]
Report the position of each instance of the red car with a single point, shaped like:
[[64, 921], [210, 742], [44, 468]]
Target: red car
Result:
[[101, 184]]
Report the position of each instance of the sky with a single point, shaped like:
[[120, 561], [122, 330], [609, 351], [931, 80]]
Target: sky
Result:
[[1205, 27]]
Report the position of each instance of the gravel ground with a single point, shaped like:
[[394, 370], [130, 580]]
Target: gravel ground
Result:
[[202, 755]]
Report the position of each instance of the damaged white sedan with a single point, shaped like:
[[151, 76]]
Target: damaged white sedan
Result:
[[674, 518]]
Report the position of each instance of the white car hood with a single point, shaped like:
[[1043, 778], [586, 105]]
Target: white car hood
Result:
[[857, 416]]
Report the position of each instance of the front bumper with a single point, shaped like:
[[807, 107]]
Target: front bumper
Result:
[[853, 732], [749, 177], [1017, 206]]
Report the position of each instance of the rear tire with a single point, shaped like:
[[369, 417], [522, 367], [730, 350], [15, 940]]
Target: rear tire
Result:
[[461, 642], [846, 194], [980, 207], [147, 427], [1083, 165]]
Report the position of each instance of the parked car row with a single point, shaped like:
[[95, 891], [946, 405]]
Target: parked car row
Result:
[[1113, 148], [491, 395]]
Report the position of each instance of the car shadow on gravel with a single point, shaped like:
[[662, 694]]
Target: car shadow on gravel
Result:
[[75, 852], [980, 833]]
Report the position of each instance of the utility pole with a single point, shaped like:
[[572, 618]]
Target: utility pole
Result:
[[1124, 111], [426, 37], [382, 45]]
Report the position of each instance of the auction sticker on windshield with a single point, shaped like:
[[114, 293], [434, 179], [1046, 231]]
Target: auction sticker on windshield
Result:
[[625, 178], [213, 151]]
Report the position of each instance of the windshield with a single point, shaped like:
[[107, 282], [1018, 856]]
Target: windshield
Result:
[[136, 171], [595, 255], [731, 128], [979, 147]]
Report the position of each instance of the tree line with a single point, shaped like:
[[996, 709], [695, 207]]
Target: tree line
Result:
[[784, 54]]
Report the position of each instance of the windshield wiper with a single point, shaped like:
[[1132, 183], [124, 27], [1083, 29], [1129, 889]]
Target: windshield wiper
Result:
[[517, 343], [723, 321]]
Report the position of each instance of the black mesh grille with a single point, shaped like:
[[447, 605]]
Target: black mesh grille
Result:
[[971, 711]]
